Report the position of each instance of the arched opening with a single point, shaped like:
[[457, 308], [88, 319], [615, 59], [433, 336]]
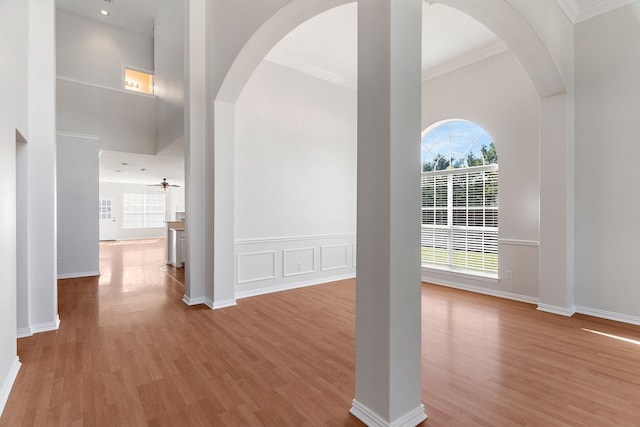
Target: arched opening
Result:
[[295, 149], [521, 39]]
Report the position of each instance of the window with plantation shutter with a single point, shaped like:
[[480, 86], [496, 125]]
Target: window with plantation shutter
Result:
[[142, 210], [459, 198]]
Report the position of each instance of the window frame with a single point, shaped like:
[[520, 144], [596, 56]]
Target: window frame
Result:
[[446, 245], [145, 210]]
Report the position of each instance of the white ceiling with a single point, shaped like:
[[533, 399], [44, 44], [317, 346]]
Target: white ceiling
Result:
[[133, 15], [116, 166], [324, 46]]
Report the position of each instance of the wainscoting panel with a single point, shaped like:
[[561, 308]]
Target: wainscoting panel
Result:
[[256, 266], [298, 261], [281, 263], [333, 257], [353, 254]]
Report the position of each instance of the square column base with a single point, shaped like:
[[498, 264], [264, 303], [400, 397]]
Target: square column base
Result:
[[372, 419]]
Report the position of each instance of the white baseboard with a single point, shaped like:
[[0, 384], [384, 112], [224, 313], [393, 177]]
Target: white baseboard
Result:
[[24, 332], [193, 301], [562, 311], [7, 384], [595, 312], [372, 419], [40, 327], [80, 274], [220, 304], [46, 327], [294, 285], [485, 291]]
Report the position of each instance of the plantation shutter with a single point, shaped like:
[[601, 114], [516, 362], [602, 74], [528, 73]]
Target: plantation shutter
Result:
[[460, 219]]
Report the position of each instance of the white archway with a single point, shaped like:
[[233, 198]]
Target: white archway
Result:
[[556, 142], [556, 287], [497, 15]]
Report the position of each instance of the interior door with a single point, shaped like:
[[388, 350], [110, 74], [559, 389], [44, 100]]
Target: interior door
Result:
[[107, 220]]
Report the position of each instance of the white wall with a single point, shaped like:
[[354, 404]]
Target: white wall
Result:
[[169, 71], [295, 169], [114, 191], [93, 52], [497, 95], [174, 202], [91, 99], [607, 199], [41, 170], [295, 179], [13, 114], [77, 207], [125, 121]]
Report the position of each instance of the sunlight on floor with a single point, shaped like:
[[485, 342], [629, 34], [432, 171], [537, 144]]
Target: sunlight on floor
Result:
[[629, 340]]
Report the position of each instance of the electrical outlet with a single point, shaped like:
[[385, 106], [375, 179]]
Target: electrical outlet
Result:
[[300, 266], [509, 274]]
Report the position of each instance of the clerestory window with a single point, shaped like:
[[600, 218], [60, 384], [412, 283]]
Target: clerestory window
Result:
[[459, 198]]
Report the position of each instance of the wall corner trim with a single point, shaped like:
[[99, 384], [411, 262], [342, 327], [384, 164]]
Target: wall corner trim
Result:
[[46, 326], [79, 274], [215, 305], [24, 332], [193, 301], [562, 311], [7, 384], [372, 419]]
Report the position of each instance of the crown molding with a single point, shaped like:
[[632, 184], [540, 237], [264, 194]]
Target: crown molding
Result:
[[577, 14], [602, 8], [570, 8], [464, 60], [78, 135], [313, 71]]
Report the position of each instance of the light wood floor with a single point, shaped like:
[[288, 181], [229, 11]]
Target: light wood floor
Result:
[[130, 353]]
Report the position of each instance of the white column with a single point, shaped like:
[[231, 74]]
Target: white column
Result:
[[223, 294], [195, 145], [41, 172], [388, 309], [556, 206], [209, 165]]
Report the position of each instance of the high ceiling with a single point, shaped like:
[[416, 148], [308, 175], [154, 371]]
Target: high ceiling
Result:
[[117, 166], [324, 46], [133, 15]]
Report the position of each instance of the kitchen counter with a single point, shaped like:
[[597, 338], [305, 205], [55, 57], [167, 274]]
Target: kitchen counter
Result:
[[176, 243]]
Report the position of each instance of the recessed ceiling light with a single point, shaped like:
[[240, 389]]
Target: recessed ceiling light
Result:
[[104, 12]]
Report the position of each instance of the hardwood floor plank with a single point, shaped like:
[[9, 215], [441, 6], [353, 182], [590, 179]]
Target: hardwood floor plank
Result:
[[129, 352]]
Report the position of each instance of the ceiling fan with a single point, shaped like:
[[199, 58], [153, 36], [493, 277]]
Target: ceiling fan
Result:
[[164, 184]]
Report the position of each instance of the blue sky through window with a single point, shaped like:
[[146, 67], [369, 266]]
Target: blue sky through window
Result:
[[452, 144]]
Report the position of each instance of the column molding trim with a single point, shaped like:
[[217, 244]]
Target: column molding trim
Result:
[[372, 419]]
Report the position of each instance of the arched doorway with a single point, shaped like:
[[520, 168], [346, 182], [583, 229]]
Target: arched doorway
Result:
[[555, 122]]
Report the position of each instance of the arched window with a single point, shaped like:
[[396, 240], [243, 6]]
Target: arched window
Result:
[[459, 198]]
